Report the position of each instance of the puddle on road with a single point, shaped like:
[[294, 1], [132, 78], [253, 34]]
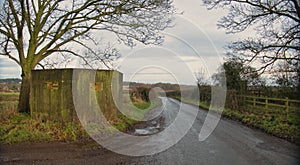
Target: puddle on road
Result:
[[146, 131], [148, 128]]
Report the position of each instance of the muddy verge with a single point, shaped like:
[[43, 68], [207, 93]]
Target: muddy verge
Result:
[[149, 127]]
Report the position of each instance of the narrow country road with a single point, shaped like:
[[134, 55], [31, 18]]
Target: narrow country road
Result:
[[230, 143]]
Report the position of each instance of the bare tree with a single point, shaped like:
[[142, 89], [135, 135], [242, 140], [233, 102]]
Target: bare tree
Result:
[[236, 76], [31, 30], [103, 56], [201, 77], [287, 80], [277, 27]]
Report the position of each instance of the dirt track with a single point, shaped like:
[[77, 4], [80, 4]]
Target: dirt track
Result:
[[58, 153]]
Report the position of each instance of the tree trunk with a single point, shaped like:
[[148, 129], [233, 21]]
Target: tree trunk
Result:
[[298, 85], [24, 105]]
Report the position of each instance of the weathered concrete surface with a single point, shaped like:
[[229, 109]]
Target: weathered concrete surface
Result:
[[51, 96]]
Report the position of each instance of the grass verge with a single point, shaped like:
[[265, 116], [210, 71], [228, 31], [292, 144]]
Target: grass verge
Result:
[[17, 127], [137, 111]]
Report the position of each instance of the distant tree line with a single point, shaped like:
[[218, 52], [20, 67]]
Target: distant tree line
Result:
[[242, 80], [10, 85], [246, 80], [140, 91]]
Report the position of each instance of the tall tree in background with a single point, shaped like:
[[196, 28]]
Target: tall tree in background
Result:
[[277, 27], [286, 80], [201, 77], [233, 71], [238, 76], [32, 30]]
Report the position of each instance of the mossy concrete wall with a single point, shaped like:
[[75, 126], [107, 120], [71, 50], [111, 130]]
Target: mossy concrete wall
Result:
[[51, 96]]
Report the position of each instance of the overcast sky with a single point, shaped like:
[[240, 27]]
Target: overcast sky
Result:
[[194, 43]]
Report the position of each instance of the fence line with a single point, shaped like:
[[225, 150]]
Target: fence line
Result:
[[267, 102]]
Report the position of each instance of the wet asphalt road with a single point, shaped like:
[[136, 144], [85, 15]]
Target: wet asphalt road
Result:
[[230, 143]]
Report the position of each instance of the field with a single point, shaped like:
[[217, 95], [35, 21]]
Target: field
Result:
[[8, 101]]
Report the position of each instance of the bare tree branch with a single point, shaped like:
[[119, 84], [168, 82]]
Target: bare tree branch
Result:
[[276, 23], [51, 25]]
